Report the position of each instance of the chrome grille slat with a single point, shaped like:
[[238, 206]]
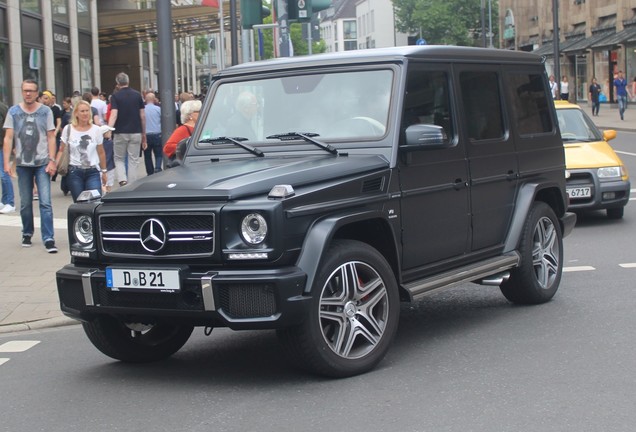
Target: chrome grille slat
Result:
[[187, 235]]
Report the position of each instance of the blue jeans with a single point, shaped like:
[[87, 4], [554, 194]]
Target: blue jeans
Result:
[[7, 186], [81, 179], [622, 104], [26, 178], [154, 147]]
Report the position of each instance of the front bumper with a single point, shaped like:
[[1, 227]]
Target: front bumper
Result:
[[254, 299], [605, 194]]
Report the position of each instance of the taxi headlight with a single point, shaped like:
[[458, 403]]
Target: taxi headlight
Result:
[[254, 228], [83, 230], [609, 172]]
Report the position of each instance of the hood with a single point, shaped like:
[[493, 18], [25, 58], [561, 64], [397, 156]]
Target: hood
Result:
[[234, 179], [590, 155]]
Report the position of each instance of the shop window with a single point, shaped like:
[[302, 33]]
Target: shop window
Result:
[[86, 74], [32, 65], [31, 6]]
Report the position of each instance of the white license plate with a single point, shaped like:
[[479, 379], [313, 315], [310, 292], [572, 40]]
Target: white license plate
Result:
[[164, 280], [582, 192]]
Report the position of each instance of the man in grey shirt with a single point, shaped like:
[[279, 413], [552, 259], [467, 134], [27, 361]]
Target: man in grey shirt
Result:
[[153, 135]]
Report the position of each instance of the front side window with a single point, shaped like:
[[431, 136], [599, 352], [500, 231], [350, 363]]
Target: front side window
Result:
[[482, 104], [428, 100], [335, 106]]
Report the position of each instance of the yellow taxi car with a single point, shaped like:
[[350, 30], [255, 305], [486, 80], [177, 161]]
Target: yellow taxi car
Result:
[[596, 177]]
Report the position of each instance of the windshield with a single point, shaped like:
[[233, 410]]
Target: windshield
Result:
[[575, 125], [336, 105]]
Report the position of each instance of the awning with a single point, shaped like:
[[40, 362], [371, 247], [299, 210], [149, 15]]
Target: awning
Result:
[[125, 26], [547, 49], [586, 43], [618, 38]]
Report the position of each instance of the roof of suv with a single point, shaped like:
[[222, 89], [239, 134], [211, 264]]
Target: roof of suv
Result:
[[393, 54]]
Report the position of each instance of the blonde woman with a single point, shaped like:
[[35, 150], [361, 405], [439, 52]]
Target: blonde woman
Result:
[[87, 159]]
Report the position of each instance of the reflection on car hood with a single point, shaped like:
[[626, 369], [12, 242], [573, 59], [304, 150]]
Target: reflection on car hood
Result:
[[233, 179], [590, 155]]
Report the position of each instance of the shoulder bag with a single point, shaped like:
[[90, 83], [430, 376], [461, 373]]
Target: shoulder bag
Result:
[[62, 165]]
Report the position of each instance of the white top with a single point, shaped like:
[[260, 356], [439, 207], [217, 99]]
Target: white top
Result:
[[101, 108], [564, 87], [83, 146]]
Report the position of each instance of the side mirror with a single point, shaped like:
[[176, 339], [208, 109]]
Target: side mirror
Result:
[[609, 134], [424, 136]]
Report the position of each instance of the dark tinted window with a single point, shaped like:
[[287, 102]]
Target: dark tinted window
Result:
[[428, 99], [482, 105], [530, 103]]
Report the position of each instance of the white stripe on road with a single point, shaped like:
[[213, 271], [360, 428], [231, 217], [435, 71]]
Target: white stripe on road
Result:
[[628, 265], [625, 153], [578, 269], [17, 346], [3, 361]]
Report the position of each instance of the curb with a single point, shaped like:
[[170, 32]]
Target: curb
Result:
[[38, 325]]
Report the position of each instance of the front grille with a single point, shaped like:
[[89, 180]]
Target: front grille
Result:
[[247, 300], [186, 235]]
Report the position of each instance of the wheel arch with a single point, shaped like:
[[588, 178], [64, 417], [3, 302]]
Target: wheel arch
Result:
[[371, 228], [549, 193]]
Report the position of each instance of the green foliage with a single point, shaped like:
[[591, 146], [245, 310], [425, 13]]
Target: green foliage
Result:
[[444, 22], [201, 47]]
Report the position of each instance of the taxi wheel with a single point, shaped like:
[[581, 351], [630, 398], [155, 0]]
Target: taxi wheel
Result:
[[615, 213], [136, 342]]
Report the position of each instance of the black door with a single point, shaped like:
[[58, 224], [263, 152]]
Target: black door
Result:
[[435, 198]]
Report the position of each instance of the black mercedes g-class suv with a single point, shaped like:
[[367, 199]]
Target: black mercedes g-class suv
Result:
[[316, 193]]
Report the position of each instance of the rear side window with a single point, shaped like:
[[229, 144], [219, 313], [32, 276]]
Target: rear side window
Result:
[[530, 103], [481, 97]]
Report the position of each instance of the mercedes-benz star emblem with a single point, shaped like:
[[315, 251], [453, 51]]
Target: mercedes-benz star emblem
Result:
[[153, 235]]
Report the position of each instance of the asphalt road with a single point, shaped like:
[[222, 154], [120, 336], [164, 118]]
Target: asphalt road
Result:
[[464, 360]]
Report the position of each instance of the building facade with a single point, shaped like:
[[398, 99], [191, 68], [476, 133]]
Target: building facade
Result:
[[376, 25], [597, 38], [54, 42]]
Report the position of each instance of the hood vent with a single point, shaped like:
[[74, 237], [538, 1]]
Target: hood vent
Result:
[[374, 185]]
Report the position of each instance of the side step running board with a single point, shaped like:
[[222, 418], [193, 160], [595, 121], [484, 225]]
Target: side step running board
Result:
[[488, 272]]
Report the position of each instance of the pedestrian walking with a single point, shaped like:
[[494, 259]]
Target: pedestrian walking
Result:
[[7, 205], [128, 117], [620, 90], [554, 87], [595, 93], [153, 135], [99, 105], [87, 159], [29, 127], [565, 88]]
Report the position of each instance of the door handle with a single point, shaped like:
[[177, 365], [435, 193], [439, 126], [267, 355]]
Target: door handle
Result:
[[511, 175], [459, 184]]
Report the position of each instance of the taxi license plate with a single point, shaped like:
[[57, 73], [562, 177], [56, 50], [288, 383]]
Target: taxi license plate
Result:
[[581, 192], [164, 280]]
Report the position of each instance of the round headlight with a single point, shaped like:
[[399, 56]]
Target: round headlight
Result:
[[254, 228], [83, 230]]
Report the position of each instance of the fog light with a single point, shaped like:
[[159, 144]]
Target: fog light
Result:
[[609, 195]]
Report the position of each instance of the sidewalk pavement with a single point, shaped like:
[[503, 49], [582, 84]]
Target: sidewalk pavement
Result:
[[28, 294]]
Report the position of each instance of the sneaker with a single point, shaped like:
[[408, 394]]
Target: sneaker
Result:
[[36, 197], [50, 246], [26, 241], [8, 208]]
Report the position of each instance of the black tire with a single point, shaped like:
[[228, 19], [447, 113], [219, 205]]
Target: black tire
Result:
[[354, 313], [615, 213], [136, 343], [537, 278]]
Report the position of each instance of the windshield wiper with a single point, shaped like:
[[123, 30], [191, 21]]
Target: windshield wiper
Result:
[[308, 136], [235, 141]]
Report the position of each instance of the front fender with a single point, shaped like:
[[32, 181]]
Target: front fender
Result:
[[320, 236]]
